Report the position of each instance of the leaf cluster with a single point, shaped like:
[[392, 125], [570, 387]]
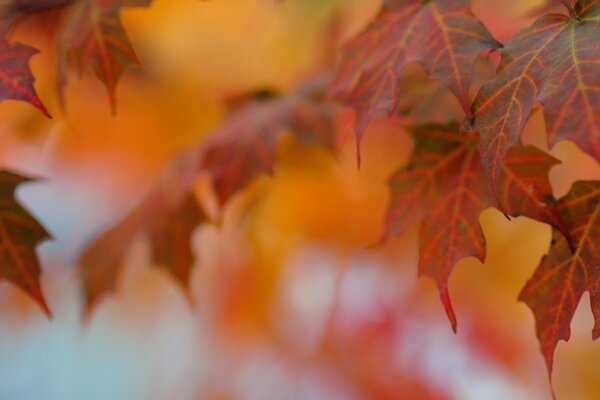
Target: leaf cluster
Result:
[[457, 169]]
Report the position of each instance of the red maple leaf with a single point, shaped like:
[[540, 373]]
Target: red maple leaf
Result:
[[167, 216], [20, 233], [241, 150], [554, 62], [564, 275], [93, 36], [443, 36], [34, 6], [16, 79], [444, 187], [245, 146], [12, 10]]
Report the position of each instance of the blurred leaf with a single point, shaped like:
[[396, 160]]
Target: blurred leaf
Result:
[[20, 233], [94, 37], [241, 150]]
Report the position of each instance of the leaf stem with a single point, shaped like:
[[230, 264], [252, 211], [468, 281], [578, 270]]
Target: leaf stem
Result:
[[572, 13]]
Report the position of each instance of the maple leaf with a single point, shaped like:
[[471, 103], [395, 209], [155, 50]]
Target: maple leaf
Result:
[[562, 277], [12, 10], [20, 233], [554, 62], [241, 150], [167, 215], [443, 36], [170, 242], [94, 36], [16, 79], [444, 187], [551, 7], [33, 6], [245, 146]]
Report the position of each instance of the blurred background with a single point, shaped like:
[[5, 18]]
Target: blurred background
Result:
[[290, 301]]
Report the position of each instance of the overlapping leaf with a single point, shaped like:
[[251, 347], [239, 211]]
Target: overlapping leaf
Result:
[[442, 35], [20, 233], [245, 147], [552, 7], [554, 61], [32, 6], [242, 149], [94, 37], [444, 187], [16, 79], [563, 275], [12, 10], [168, 215]]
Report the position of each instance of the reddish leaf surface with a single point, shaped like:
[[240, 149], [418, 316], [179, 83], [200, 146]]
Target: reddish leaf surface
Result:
[[442, 35], [16, 79], [245, 146], [94, 37], [102, 259], [168, 216], [11, 10], [563, 276], [20, 233], [554, 61], [241, 150], [552, 7], [34, 6], [15, 75], [444, 187], [526, 189], [171, 242]]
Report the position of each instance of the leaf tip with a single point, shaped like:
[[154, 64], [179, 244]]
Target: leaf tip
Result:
[[358, 153], [445, 297], [113, 105], [380, 242], [189, 296], [40, 106], [45, 308]]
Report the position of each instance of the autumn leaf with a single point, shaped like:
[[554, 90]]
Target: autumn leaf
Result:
[[12, 10], [444, 187], [20, 233], [171, 242], [526, 188], [102, 259], [553, 62], [94, 37], [33, 6], [237, 153], [551, 7], [167, 216], [245, 146], [557, 285], [16, 79], [418, 96], [443, 36]]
